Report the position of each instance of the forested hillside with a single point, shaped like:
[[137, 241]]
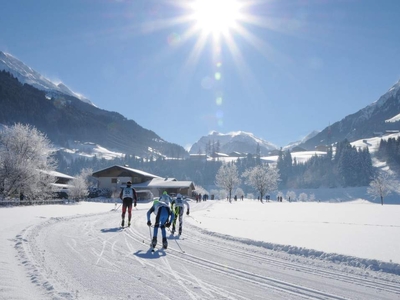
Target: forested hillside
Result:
[[65, 118]]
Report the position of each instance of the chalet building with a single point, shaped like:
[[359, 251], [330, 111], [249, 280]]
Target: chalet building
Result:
[[322, 147], [297, 149], [146, 185], [274, 152], [63, 181], [237, 154], [387, 132], [218, 154], [198, 157]]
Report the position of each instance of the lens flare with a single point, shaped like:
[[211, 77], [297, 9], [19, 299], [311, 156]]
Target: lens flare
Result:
[[173, 39]]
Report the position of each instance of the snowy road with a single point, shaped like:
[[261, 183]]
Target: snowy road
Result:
[[90, 257]]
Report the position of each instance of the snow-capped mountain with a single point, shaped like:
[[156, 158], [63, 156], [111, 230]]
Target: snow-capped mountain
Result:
[[375, 119], [239, 141], [27, 75], [66, 119], [305, 139]]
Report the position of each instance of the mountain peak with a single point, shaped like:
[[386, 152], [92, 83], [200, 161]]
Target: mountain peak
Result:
[[235, 141], [27, 75]]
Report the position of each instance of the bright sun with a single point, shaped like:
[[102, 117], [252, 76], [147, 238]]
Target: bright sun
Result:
[[216, 16]]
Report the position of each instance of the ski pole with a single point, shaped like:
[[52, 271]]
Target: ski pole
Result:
[[150, 233], [194, 219]]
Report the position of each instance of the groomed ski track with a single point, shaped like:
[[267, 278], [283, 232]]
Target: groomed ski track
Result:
[[91, 257]]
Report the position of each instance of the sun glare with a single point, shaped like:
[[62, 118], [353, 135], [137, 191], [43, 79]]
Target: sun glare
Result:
[[215, 16], [221, 27]]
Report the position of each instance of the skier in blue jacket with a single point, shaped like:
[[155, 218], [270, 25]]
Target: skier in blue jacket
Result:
[[164, 218]]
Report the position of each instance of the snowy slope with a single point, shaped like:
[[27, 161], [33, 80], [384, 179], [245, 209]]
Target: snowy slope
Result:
[[241, 250], [305, 139], [27, 75]]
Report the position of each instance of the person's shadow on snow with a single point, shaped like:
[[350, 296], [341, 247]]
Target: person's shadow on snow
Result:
[[114, 229], [149, 254]]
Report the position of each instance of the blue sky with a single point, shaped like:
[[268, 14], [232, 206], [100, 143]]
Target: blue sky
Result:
[[281, 70]]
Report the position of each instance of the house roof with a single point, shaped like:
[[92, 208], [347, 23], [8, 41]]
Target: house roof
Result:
[[98, 173], [162, 183], [153, 182], [62, 186], [57, 174]]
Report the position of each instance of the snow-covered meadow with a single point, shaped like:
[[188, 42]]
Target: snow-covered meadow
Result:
[[239, 250]]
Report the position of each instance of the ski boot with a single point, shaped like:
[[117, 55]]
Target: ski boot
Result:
[[154, 242], [129, 223], [165, 243], [122, 223]]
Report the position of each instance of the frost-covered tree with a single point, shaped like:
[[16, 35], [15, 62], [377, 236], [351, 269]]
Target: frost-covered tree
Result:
[[222, 194], [263, 178], [239, 192], [250, 196], [200, 190], [381, 186], [215, 192], [311, 197], [303, 197], [227, 178], [291, 196], [80, 185], [25, 163]]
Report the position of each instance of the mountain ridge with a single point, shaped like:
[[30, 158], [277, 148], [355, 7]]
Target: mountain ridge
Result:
[[235, 141], [379, 116], [374, 119], [66, 119], [26, 74]]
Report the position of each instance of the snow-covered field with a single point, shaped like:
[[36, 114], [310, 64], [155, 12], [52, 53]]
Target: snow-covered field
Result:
[[238, 250]]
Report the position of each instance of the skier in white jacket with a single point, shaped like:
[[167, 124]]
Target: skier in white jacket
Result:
[[177, 206]]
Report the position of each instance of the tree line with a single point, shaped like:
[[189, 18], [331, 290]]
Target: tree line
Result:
[[347, 166], [27, 159]]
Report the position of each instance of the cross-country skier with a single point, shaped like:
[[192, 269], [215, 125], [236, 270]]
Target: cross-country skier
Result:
[[165, 198], [127, 195], [178, 208], [164, 218]]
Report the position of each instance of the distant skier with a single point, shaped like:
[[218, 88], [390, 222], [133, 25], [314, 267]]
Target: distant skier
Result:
[[178, 209], [164, 218], [127, 195]]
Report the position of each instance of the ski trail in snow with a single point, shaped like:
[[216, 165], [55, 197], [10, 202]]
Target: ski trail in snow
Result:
[[212, 267], [101, 253], [132, 250], [178, 279], [209, 289]]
